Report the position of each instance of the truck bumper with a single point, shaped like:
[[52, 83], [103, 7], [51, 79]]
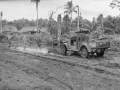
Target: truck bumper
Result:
[[97, 50]]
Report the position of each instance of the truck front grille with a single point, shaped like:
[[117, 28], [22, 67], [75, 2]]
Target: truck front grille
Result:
[[104, 45]]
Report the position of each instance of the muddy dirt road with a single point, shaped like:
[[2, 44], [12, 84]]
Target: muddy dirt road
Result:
[[20, 71]]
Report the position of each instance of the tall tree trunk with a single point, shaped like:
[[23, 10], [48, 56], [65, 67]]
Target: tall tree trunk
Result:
[[71, 20], [1, 21], [37, 14], [1, 24], [71, 16]]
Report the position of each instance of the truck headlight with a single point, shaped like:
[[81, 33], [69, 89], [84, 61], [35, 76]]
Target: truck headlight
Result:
[[93, 45]]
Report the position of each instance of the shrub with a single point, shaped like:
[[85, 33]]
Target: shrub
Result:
[[36, 40], [109, 31], [32, 41], [3, 38]]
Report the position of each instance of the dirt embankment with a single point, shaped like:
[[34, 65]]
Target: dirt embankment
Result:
[[19, 71]]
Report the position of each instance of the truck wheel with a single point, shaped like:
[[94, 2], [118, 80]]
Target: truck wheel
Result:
[[84, 52], [100, 54], [63, 50]]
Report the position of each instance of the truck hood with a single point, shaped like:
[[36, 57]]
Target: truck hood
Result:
[[100, 40]]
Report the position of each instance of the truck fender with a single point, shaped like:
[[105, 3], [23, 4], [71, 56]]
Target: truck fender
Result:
[[88, 48], [64, 45]]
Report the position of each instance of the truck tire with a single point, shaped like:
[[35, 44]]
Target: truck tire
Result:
[[84, 52], [63, 50], [100, 54]]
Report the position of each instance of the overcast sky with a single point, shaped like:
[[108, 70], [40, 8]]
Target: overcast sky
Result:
[[18, 9]]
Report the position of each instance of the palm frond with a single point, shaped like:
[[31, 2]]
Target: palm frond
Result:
[[69, 6], [66, 7], [68, 12], [74, 10], [36, 1], [88, 22], [90, 25]]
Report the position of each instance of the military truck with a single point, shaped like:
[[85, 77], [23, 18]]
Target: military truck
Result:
[[81, 42]]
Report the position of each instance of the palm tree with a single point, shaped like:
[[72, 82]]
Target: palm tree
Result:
[[92, 26], [36, 1], [70, 8]]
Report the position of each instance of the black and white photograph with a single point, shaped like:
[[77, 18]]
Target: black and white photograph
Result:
[[59, 44]]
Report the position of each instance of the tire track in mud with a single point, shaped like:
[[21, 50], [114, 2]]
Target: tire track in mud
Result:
[[73, 63], [31, 70]]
